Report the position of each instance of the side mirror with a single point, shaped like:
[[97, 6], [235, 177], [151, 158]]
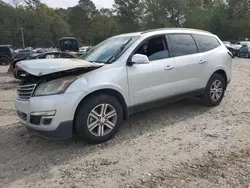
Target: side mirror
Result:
[[140, 59]]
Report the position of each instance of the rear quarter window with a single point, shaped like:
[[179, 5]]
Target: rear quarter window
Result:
[[207, 43]]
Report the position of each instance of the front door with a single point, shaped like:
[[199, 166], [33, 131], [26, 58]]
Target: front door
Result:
[[153, 81]]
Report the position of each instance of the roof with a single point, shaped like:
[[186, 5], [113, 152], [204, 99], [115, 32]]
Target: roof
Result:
[[166, 30], [176, 29]]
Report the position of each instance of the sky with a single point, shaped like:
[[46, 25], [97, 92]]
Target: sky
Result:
[[70, 3]]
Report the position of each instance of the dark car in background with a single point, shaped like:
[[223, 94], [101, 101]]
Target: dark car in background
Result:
[[19, 73], [23, 54], [6, 54], [245, 51], [68, 44]]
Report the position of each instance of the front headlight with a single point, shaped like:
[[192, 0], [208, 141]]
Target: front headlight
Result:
[[57, 86]]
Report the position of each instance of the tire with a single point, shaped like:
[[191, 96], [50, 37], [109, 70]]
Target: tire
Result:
[[210, 98], [4, 61], [89, 113]]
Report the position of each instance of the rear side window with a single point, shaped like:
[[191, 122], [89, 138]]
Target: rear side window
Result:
[[207, 43], [182, 44]]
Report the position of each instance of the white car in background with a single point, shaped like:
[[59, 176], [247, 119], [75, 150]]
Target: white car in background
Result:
[[84, 49]]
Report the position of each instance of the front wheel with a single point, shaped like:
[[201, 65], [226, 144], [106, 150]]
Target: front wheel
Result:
[[215, 90], [98, 118]]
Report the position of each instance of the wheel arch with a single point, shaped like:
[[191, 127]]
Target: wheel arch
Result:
[[111, 92], [223, 74]]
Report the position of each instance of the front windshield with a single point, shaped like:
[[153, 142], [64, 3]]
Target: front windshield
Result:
[[109, 50]]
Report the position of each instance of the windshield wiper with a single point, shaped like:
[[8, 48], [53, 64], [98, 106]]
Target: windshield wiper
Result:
[[114, 57]]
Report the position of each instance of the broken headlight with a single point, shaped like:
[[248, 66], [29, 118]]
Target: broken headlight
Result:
[[53, 87]]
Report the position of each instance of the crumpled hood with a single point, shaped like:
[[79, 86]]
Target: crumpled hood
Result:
[[40, 67]]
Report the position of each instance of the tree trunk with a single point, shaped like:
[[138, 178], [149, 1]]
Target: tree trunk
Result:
[[10, 70]]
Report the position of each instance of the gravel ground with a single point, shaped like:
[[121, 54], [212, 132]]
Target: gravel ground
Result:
[[180, 145]]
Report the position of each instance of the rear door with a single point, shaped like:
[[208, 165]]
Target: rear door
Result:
[[189, 62], [213, 54]]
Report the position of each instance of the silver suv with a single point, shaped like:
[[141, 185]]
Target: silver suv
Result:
[[91, 96]]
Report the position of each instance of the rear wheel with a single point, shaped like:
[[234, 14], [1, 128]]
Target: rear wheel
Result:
[[98, 118], [4, 61], [215, 90]]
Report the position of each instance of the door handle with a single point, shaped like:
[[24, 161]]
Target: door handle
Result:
[[169, 67], [202, 61]]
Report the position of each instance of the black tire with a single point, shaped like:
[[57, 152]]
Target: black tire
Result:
[[207, 97], [4, 61], [84, 110]]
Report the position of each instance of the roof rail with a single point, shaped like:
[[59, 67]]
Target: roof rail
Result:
[[162, 29]]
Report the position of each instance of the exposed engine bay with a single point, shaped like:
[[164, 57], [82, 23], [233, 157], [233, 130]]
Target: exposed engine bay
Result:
[[27, 78], [43, 71]]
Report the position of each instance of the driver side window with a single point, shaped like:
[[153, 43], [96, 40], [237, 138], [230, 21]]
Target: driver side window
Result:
[[154, 49]]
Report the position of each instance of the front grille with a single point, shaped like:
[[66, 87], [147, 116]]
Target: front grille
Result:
[[22, 115], [35, 120], [26, 91]]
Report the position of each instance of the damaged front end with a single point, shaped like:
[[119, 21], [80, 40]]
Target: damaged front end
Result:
[[51, 80]]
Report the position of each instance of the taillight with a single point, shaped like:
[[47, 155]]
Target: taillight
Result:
[[16, 66]]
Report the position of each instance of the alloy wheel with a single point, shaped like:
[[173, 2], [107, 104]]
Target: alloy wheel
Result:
[[102, 120], [216, 90]]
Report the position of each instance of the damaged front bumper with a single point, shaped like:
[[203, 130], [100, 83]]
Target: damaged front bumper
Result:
[[49, 116]]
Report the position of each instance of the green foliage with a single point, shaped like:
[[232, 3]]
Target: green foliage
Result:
[[43, 26]]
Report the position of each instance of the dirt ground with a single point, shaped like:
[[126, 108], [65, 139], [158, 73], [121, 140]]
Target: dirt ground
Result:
[[184, 144]]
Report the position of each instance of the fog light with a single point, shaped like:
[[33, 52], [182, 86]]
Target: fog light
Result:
[[47, 121], [46, 113]]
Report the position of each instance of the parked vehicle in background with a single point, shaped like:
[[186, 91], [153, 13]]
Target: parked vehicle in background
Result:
[[243, 43], [19, 73], [84, 49], [68, 44], [230, 47], [245, 51], [119, 77], [227, 43], [23, 54], [238, 46], [6, 54]]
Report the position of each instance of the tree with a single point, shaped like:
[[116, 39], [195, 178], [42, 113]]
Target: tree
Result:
[[16, 3], [81, 18], [129, 15], [43, 26]]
